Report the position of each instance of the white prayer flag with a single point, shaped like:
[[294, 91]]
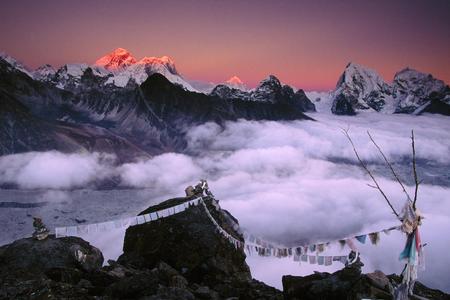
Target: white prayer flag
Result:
[[60, 231], [72, 230], [140, 220]]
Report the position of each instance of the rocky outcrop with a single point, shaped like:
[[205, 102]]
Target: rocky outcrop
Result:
[[189, 242], [342, 105], [39, 256], [350, 284]]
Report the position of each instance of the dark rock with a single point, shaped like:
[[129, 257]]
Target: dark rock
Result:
[[171, 293], [421, 290], [135, 286], [39, 256], [349, 284], [343, 105], [187, 241], [48, 269]]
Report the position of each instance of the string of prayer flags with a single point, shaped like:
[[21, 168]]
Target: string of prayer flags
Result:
[[123, 223], [300, 253], [252, 244], [237, 243]]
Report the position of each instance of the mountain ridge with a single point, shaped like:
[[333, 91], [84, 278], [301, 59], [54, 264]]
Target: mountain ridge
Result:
[[145, 119]]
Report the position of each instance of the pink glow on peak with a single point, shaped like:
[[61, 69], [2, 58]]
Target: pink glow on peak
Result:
[[117, 59], [234, 80]]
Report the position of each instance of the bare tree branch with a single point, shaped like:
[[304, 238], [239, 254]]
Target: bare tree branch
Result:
[[416, 180], [377, 186], [389, 165]]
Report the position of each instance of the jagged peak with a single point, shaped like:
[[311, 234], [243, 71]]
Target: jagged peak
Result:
[[270, 80], [166, 60], [356, 72], [117, 59], [234, 80], [236, 83], [15, 63], [352, 67], [121, 51], [46, 67], [410, 72], [412, 79]]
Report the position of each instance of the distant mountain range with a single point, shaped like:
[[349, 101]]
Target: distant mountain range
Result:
[[121, 106], [138, 108]]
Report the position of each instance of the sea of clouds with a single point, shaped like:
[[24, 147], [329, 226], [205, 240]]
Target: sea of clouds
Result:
[[290, 182]]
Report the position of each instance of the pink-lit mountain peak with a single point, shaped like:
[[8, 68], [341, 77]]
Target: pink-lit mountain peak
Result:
[[117, 59], [236, 82], [121, 58]]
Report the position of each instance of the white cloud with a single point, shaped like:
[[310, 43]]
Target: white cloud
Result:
[[53, 170]]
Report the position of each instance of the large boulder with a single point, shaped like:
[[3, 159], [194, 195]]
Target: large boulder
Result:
[[39, 256], [48, 269], [190, 243]]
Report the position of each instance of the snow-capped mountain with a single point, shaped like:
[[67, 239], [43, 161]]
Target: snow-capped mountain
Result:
[[14, 64], [269, 90], [360, 88], [116, 60], [44, 73], [74, 109], [321, 100], [118, 68], [236, 83], [415, 90]]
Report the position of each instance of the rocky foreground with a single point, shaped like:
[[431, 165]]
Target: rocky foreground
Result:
[[178, 257]]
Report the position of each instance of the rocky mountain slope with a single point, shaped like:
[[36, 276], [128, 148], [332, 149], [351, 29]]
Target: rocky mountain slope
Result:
[[362, 89]]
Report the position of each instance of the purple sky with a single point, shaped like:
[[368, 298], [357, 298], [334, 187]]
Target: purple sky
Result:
[[304, 43]]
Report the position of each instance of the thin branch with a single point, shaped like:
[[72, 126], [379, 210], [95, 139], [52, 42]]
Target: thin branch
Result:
[[416, 180], [368, 172], [372, 186], [389, 165]]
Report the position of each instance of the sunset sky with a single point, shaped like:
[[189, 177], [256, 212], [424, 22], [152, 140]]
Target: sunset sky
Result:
[[304, 43]]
